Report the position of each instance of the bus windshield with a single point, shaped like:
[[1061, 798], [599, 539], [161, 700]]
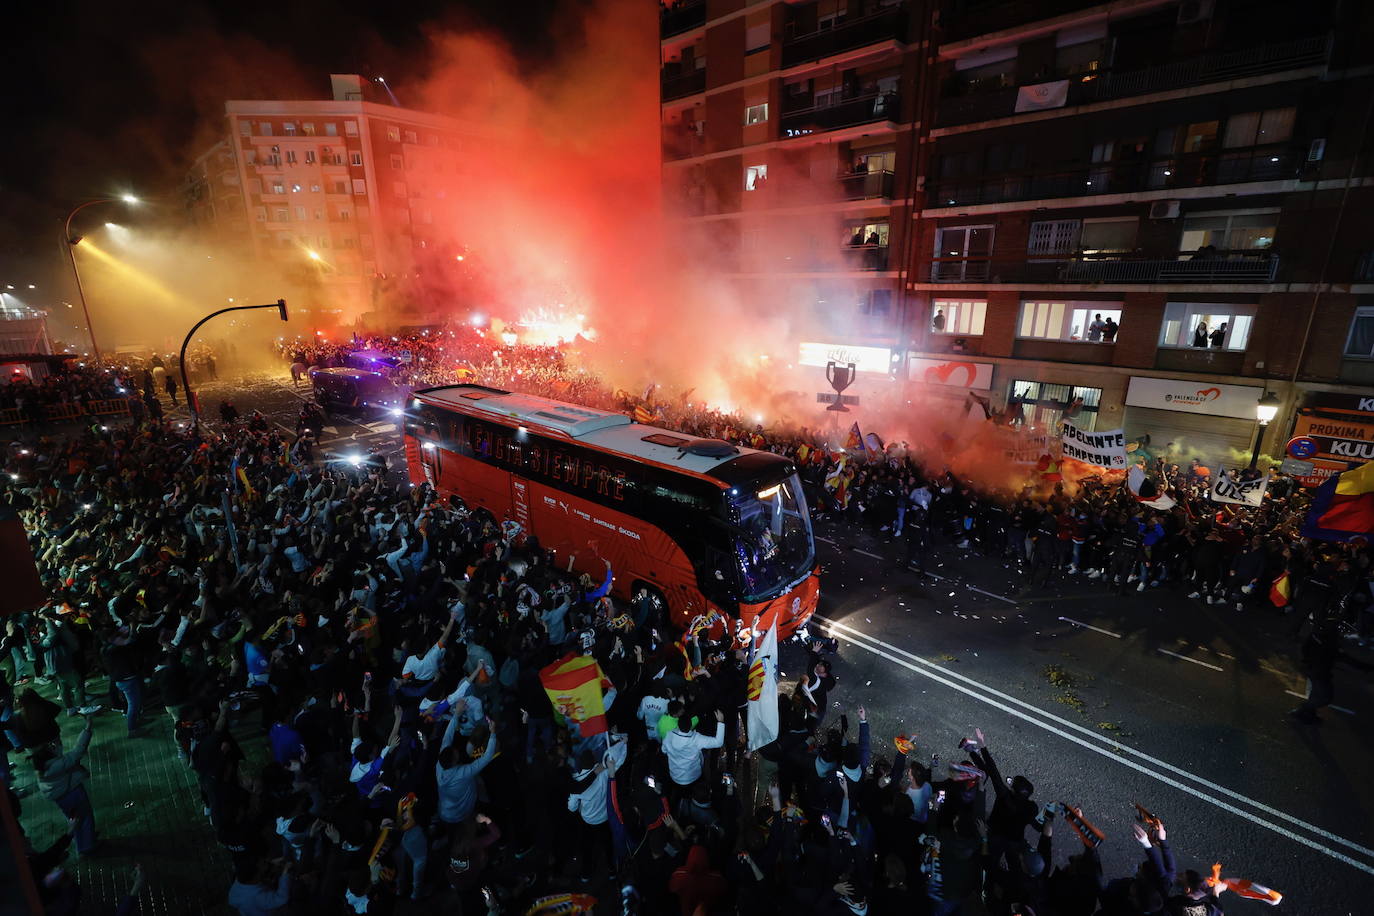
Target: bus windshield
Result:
[[773, 547]]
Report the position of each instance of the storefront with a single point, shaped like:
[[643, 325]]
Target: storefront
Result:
[[1342, 426], [1212, 422]]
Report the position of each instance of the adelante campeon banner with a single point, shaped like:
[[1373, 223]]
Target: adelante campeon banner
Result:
[[1106, 449]]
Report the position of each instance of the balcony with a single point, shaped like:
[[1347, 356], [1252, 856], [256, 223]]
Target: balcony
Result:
[[682, 143], [1222, 267], [858, 32], [682, 16], [864, 257], [1190, 170], [684, 84], [962, 19], [1216, 67], [866, 185], [860, 109]]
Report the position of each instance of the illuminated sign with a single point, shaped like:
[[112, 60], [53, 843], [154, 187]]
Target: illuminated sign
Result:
[[954, 372], [865, 359], [1236, 401]]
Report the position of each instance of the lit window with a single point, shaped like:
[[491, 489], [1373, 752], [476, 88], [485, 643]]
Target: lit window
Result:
[[278, 186], [289, 128], [351, 128], [1360, 344], [754, 177], [1087, 322], [310, 157], [956, 316], [1206, 325], [331, 129], [756, 114], [295, 189], [393, 134], [1229, 233], [315, 189], [356, 158], [873, 234], [359, 187], [308, 128]]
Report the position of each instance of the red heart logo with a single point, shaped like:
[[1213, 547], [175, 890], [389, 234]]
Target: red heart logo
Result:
[[1209, 394], [942, 372]]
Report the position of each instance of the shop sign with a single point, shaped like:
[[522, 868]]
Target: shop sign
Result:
[[958, 373], [1237, 401]]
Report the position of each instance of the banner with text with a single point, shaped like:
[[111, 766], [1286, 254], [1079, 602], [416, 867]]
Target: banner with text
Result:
[[1106, 449], [1227, 489]]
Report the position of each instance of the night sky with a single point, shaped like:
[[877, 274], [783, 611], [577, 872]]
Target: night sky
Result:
[[104, 98]]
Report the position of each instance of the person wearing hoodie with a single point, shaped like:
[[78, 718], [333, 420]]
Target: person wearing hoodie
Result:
[[62, 780], [588, 800], [697, 886], [683, 747], [458, 773]]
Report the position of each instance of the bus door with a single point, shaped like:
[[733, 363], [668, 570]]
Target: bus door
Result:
[[429, 458], [520, 502]]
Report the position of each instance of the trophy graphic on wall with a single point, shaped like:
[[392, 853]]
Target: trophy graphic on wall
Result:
[[840, 378]]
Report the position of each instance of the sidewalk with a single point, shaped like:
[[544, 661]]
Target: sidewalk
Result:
[[147, 809]]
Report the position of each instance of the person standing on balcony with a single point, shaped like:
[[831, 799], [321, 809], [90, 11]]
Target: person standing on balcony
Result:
[[1096, 328], [937, 323], [1200, 335], [1219, 336], [1109, 330]]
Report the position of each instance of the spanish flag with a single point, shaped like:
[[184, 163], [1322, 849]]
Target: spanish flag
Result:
[[1280, 591], [574, 685], [644, 415], [1343, 507], [856, 438]]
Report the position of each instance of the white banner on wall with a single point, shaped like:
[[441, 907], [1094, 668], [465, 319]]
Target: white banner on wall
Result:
[[1236, 401], [1042, 96], [1226, 489], [1106, 449], [958, 373], [865, 359]]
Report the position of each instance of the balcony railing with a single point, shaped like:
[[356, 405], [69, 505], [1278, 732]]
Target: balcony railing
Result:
[[676, 18], [866, 185], [844, 258], [1220, 267], [1215, 67], [675, 87], [862, 109], [682, 143], [1191, 170], [886, 25], [962, 19]]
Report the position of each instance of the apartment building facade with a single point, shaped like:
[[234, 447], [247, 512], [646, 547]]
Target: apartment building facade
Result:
[[1150, 214], [346, 196], [788, 160]]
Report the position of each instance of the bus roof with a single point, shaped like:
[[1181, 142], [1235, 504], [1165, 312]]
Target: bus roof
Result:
[[600, 428]]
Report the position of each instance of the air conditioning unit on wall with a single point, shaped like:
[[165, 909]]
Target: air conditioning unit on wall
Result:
[[1164, 209]]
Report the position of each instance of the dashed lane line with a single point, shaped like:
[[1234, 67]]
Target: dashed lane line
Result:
[[1111, 749], [1303, 696], [938, 578], [1193, 660], [1088, 626]]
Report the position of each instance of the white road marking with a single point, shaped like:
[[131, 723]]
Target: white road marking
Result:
[[1303, 696], [867, 554], [989, 594], [1109, 748], [1088, 626], [1193, 660], [971, 588], [827, 541]]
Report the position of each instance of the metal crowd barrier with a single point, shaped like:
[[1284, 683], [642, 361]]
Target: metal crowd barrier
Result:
[[57, 413]]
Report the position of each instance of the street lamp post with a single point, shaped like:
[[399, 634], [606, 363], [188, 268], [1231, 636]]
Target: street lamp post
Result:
[[1266, 408], [70, 242], [191, 399]]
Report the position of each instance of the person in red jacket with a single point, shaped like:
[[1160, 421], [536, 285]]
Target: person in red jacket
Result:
[[697, 886]]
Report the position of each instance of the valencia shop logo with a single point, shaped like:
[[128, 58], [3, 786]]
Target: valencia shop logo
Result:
[[1196, 399]]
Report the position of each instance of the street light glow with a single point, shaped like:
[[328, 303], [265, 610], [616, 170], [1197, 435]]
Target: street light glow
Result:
[[312, 254], [128, 198]]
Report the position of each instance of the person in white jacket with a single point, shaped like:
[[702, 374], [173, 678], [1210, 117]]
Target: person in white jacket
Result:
[[684, 746]]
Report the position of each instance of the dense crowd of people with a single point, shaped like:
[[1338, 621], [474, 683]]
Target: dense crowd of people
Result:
[[386, 645]]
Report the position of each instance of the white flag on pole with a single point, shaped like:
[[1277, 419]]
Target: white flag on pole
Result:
[[763, 691]]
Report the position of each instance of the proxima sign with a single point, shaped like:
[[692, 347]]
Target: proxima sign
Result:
[[1194, 397]]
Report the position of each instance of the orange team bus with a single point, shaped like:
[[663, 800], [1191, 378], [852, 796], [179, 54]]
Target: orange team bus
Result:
[[701, 525]]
